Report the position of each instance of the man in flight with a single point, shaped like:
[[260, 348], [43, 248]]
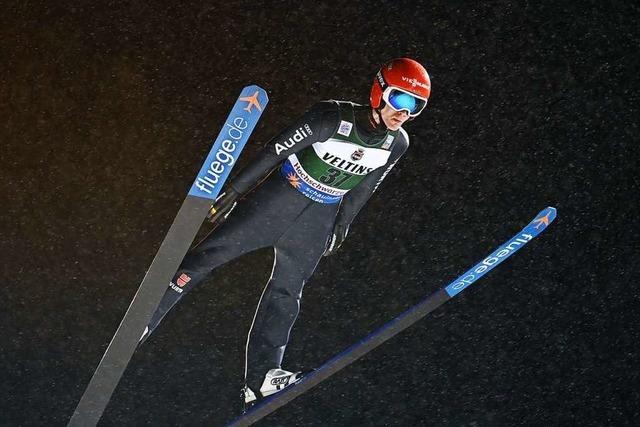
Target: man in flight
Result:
[[300, 195]]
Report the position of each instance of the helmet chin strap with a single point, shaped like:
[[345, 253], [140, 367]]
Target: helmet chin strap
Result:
[[380, 124]]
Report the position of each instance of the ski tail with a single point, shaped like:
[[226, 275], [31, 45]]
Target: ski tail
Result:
[[400, 323]]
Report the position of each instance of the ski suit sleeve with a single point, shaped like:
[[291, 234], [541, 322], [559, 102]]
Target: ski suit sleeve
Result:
[[355, 199], [316, 125]]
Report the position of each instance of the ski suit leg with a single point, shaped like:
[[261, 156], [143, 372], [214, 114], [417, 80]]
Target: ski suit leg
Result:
[[197, 265], [297, 253], [252, 225]]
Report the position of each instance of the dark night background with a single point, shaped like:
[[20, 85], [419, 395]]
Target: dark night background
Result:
[[108, 109]]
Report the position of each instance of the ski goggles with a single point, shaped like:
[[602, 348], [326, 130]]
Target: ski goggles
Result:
[[401, 100]]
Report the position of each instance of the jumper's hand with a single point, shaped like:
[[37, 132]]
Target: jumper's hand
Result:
[[335, 240], [223, 206]]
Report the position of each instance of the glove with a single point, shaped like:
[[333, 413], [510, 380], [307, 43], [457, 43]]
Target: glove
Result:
[[223, 206], [335, 240]]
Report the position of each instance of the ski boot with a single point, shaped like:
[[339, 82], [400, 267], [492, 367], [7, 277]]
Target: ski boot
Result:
[[274, 381]]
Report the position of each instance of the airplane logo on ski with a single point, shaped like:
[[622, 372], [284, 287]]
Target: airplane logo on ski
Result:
[[253, 102], [542, 220]]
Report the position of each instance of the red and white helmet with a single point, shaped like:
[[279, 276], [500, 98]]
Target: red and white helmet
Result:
[[397, 77]]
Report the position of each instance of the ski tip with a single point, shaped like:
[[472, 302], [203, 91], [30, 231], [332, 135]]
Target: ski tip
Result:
[[549, 212], [542, 220], [252, 89]]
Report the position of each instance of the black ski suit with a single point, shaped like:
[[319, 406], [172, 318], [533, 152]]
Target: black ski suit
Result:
[[277, 214]]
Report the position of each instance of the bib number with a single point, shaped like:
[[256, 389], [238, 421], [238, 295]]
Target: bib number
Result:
[[333, 175]]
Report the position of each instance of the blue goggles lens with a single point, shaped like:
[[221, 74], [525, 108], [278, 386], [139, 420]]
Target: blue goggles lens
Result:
[[403, 101]]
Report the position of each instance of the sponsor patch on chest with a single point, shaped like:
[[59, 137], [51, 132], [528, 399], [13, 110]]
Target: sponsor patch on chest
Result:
[[350, 157], [357, 155], [387, 142], [345, 128], [300, 134]]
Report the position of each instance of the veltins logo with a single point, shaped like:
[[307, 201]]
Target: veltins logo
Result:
[[230, 142]]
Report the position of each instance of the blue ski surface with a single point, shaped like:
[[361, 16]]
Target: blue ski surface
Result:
[[400, 323]]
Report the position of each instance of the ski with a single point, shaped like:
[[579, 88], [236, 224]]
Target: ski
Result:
[[221, 158], [400, 323]]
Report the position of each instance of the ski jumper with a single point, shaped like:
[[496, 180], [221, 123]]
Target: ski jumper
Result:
[[317, 173]]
